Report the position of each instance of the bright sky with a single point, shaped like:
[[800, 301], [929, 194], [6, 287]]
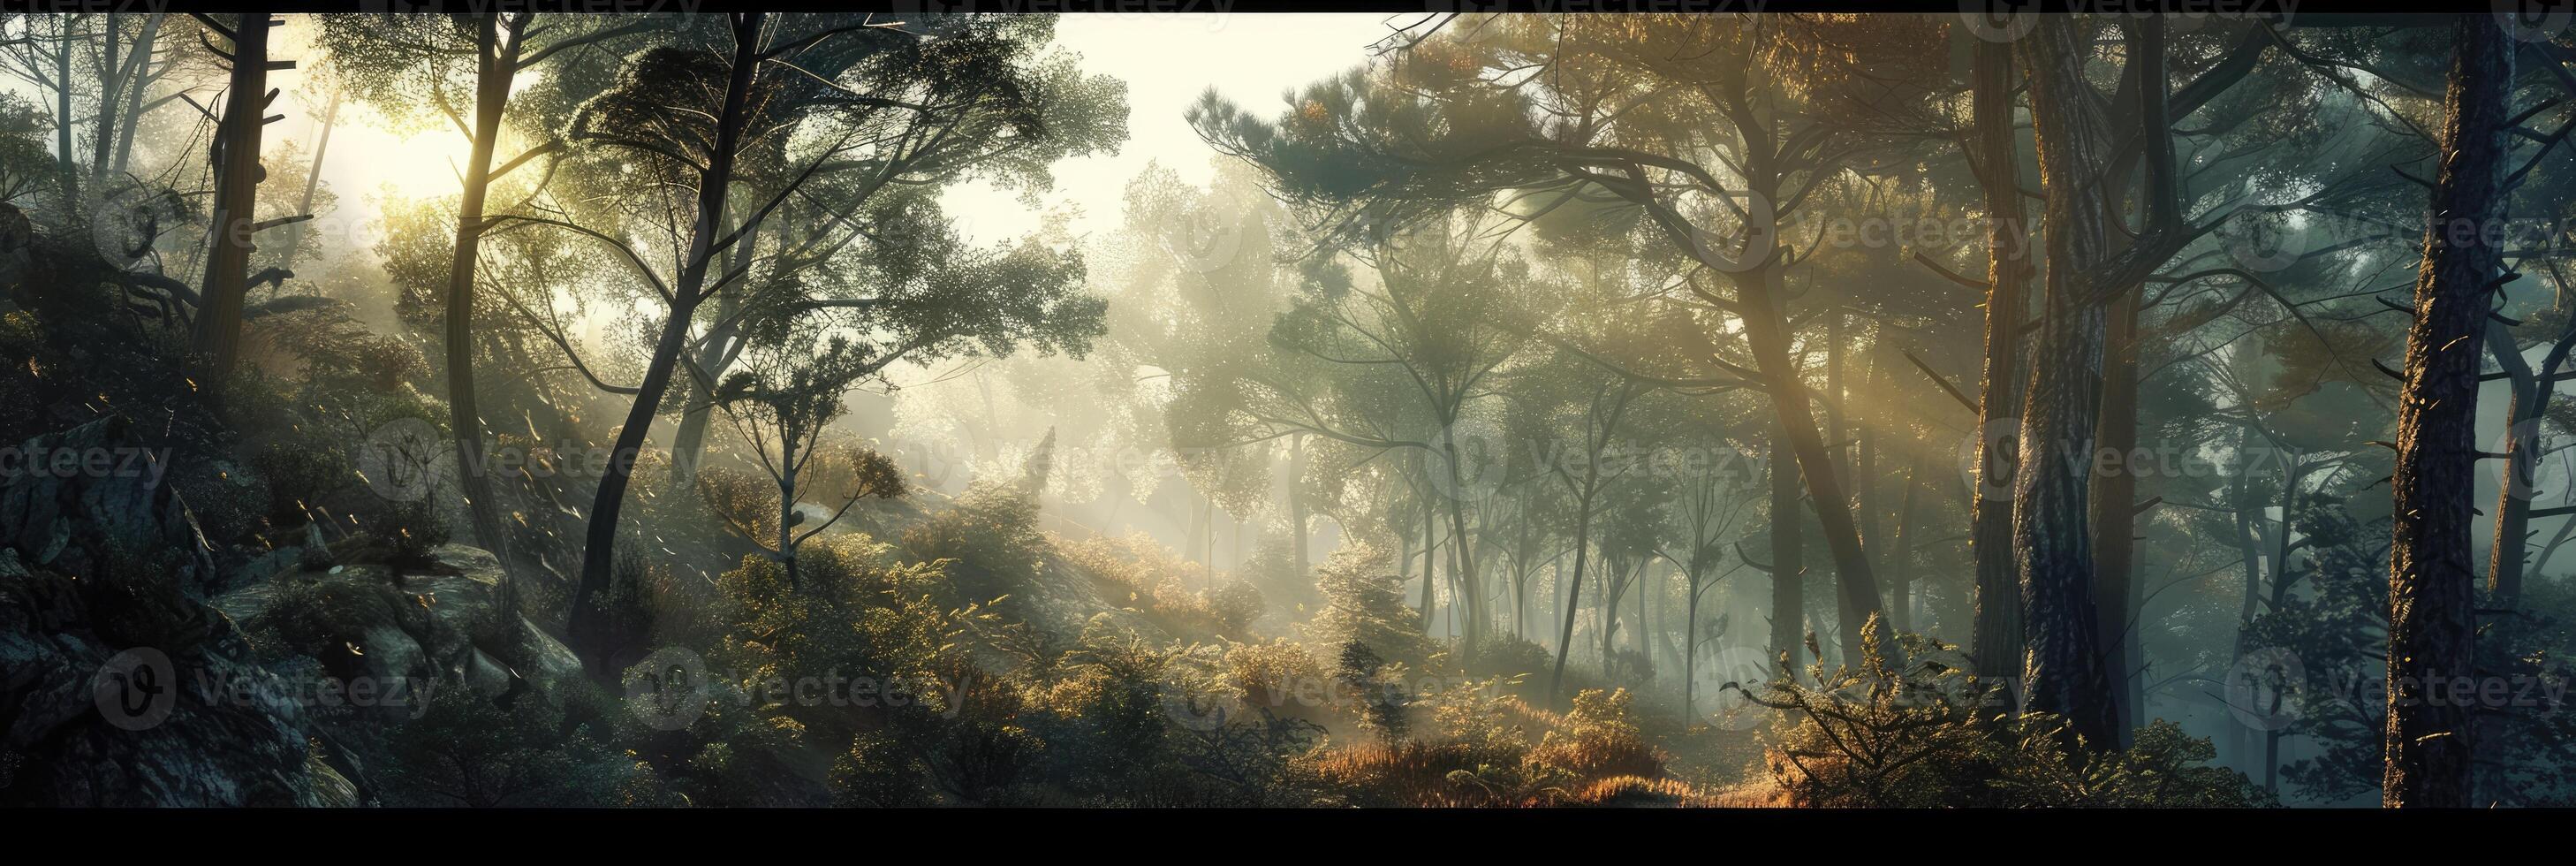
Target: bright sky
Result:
[[1166, 60]]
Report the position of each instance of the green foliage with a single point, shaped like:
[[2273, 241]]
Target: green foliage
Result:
[[1364, 605], [1920, 732], [2163, 769], [879, 771], [991, 536], [1136, 570], [1599, 740], [466, 751]]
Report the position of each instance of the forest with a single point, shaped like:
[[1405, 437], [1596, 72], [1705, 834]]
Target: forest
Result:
[[1773, 409]]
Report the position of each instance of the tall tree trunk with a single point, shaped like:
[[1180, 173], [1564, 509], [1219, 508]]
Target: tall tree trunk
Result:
[[1766, 334], [2063, 671], [1997, 641], [1690, 643], [1838, 429], [113, 69], [70, 167], [1901, 603], [313, 181], [596, 634], [2531, 392], [1297, 510], [1470, 601], [132, 113], [2114, 508], [1788, 556], [716, 354], [1430, 553], [1573, 586], [2432, 592], [236, 210], [497, 64], [2249, 547]]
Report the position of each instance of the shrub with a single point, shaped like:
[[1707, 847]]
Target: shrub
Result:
[[879, 770], [2164, 769], [1599, 740], [990, 537], [1919, 735], [1137, 570], [1235, 604], [465, 751], [1365, 605], [1504, 654]]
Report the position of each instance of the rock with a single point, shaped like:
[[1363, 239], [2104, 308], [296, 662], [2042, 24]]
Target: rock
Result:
[[119, 684], [445, 625], [329, 788], [268, 565]]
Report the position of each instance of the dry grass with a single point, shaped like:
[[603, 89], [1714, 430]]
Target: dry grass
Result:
[[1641, 791]]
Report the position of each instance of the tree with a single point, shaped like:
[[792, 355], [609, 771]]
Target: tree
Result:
[[235, 155], [2432, 582], [1455, 120], [923, 112], [782, 405], [392, 60]]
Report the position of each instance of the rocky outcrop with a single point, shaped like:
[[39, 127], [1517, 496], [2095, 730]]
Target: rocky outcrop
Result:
[[119, 684], [443, 625]]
